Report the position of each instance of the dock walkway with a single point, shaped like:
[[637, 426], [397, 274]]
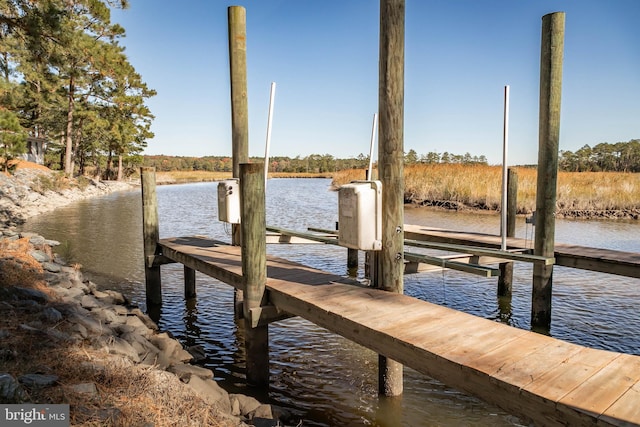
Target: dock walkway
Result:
[[585, 258], [546, 380]]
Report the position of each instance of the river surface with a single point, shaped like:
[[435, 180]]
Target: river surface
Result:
[[322, 378]]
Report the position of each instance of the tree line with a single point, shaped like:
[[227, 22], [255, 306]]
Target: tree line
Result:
[[603, 157], [65, 79], [313, 163]]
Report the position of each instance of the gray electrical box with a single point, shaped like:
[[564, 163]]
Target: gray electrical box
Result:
[[360, 215], [229, 201]]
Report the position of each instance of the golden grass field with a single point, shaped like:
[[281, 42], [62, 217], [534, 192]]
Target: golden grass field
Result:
[[479, 186]]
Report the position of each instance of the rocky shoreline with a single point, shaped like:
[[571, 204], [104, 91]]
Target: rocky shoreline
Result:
[[561, 212], [93, 348]]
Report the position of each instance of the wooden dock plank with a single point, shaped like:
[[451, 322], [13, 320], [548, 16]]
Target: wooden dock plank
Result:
[[567, 376], [624, 411], [605, 387], [541, 378], [592, 259]]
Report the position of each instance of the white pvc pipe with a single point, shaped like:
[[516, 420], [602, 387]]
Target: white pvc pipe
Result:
[[373, 138], [268, 143], [505, 144]]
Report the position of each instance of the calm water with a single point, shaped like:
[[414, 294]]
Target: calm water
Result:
[[321, 377]]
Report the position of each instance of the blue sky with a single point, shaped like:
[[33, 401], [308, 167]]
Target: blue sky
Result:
[[323, 56]]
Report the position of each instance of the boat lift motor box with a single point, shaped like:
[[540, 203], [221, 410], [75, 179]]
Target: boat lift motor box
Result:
[[229, 201], [360, 215]]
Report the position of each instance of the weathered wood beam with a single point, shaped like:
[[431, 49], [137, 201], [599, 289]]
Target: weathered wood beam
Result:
[[478, 270], [481, 251]]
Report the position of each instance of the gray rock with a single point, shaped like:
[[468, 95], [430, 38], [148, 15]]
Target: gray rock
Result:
[[211, 392], [51, 243], [37, 240], [246, 404], [119, 346], [116, 297], [171, 348], [85, 388], [107, 315], [145, 319], [40, 256], [134, 324], [185, 371], [78, 330], [52, 267], [88, 301], [10, 390], [37, 380], [50, 315], [73, 296], [32, 294], [120, 310], [262, 411], [93, 326]]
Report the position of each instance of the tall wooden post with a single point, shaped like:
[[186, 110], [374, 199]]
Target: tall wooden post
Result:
[[237, 18], [505, 281], [151, 235], [254, 269], [237, 21], [391, 153], [549, 136], [512, 201]]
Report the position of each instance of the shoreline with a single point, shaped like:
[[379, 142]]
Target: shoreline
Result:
[[95, 348], [582, 214]]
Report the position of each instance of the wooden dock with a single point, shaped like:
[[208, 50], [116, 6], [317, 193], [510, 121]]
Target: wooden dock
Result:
[[545, 380], [585, 258]]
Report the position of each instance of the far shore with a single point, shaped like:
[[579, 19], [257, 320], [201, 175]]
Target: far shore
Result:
[[581, 195]]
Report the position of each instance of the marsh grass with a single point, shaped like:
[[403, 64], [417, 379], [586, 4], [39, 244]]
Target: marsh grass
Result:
[[479, 186]]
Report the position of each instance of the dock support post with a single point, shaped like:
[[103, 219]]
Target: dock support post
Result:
[[237, 22], [254, 269], [151, 235], [391, 172], [505, 281], [189, 283], [352, 259], [548, 142]]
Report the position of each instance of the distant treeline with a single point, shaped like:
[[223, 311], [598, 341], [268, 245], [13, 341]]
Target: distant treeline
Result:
[[604, 157], [314, 163]]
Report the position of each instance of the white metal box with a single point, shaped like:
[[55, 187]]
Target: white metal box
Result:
[[360, 215], [229, 201]]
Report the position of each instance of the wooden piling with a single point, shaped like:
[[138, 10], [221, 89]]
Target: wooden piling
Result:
[[512, 201], [505, 281], [391, 172], [189, 282], [151, 235], [352, 259], [237, 18], [254, 269], [551, 57], [237, 22]]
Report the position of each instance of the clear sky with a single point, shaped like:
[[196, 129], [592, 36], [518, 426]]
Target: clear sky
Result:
[[323, 56]]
